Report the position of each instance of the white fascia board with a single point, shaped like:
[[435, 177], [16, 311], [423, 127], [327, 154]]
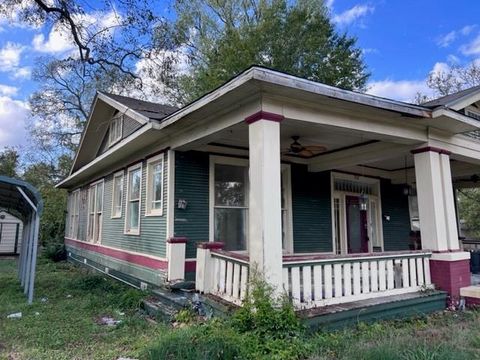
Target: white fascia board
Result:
[[464, 122], [464, 101], [106, 154]]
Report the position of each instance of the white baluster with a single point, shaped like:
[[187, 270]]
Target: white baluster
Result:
[[229, 280], [405, 276], [286, 288], [426, 270], [223, 268], [236, 281], [296, 285], [347, 279], [420, 279], [327, 270], [382, 276], [365, 278], [307, 284], [413, 273], [317, 282], [243, 282], [390, 275], [374, 276], [357, 290], [337, 280]]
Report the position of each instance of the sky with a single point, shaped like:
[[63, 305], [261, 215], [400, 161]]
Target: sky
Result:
[[402, 41]]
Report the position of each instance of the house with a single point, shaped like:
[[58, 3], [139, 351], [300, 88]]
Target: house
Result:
[[335, 196], [11, 228]]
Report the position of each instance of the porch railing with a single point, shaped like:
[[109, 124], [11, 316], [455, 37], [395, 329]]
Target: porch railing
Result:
[[222, 273], [313, 281], [318, 280]]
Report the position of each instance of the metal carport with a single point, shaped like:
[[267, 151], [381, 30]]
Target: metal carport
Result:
[[22, 200]]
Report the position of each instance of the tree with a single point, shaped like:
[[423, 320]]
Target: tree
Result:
[[469, 210], [223, 38], [9, 162]]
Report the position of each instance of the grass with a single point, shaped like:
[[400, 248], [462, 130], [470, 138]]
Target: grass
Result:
[[64, 326]]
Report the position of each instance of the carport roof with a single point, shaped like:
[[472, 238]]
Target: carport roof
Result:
[[12, 200]]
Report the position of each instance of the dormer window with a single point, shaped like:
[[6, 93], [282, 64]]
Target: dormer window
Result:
[[116, 128]]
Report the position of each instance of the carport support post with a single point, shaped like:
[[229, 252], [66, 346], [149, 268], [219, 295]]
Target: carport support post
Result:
[[28, 265], [34, 257], [21, 264], [265, 222], [449, 266]]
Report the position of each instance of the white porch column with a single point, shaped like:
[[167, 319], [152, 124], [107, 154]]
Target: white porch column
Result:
[[449, 267], [265, 212], [432, 203]]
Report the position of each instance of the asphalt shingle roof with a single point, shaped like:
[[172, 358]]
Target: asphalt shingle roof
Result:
[[149, 109], [445, 100]]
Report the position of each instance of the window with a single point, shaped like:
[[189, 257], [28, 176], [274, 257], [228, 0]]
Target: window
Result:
[[134, 188], [116, 128], [73, 214], [230, 202], [95, 210], [155, 186], [117, 195]]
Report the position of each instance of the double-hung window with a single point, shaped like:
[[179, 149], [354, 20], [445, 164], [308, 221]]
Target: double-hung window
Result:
[[74, 213], [116, 128], [95, 211], [117, 195], [230, 202], [155, 186], [134, 190]]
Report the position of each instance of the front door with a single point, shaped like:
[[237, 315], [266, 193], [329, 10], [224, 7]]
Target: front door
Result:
[[357, 226]]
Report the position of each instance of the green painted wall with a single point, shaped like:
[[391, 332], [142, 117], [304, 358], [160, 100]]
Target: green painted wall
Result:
[[152, 238], [311, 205], [396, 232], [191, 184]]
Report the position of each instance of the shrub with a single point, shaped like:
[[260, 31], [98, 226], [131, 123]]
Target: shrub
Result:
[[55, 252], [212, 340]]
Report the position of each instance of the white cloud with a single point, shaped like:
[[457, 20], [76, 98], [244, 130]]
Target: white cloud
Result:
[[21, 73], [403, 90], [447, 39], [329, 4], [10, 56], [351, 15], [8, 90], [58, 41], [472, 48], [13, 114]]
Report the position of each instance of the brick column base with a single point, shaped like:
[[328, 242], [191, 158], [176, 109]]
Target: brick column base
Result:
[[450, 275]]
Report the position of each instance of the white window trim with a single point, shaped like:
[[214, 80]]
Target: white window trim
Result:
[[113, 141], [76, 213], [225, 160], [116, 175], [149, 211], [343, 218], [94, 184], [126, 230]]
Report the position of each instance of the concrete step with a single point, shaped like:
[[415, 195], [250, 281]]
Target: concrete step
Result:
[[471, 294]]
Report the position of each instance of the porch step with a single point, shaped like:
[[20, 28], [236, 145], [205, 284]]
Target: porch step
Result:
[[471, 295], [164, 304], [334, 317]]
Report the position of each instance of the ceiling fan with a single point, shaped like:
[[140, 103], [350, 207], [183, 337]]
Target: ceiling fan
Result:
[[297, 149]]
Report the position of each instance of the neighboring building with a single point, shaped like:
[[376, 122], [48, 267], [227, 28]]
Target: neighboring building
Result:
[[323, 189], [11, 230]]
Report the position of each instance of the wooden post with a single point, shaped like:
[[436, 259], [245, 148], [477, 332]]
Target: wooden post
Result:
[[176, 247], [204, 274]]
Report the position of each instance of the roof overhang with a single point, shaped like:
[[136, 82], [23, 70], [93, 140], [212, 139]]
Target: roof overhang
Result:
[[17, 197], [452, 121]]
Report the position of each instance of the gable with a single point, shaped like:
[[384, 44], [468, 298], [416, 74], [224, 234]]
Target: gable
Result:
[[129, 126]]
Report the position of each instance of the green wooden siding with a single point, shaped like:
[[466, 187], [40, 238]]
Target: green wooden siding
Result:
[[396, 232], [191, 184], [311, 208], [152, 238]]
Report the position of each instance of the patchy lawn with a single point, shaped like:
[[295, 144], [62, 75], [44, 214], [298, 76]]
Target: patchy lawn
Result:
[[63, 323]]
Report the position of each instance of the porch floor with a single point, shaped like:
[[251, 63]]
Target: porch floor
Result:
[[382, 308]]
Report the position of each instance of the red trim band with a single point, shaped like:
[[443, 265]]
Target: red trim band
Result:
[[430, 148], [121, 255], [177, 240], [264, 115], [211, 245]]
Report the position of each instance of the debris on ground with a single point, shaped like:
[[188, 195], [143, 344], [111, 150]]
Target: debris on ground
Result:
[[107, 320], [69, 296], [17, 315], [44, 299]]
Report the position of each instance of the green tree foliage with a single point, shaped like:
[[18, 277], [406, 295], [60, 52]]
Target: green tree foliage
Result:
[[223, 38], [469, 209], [9, 162]]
